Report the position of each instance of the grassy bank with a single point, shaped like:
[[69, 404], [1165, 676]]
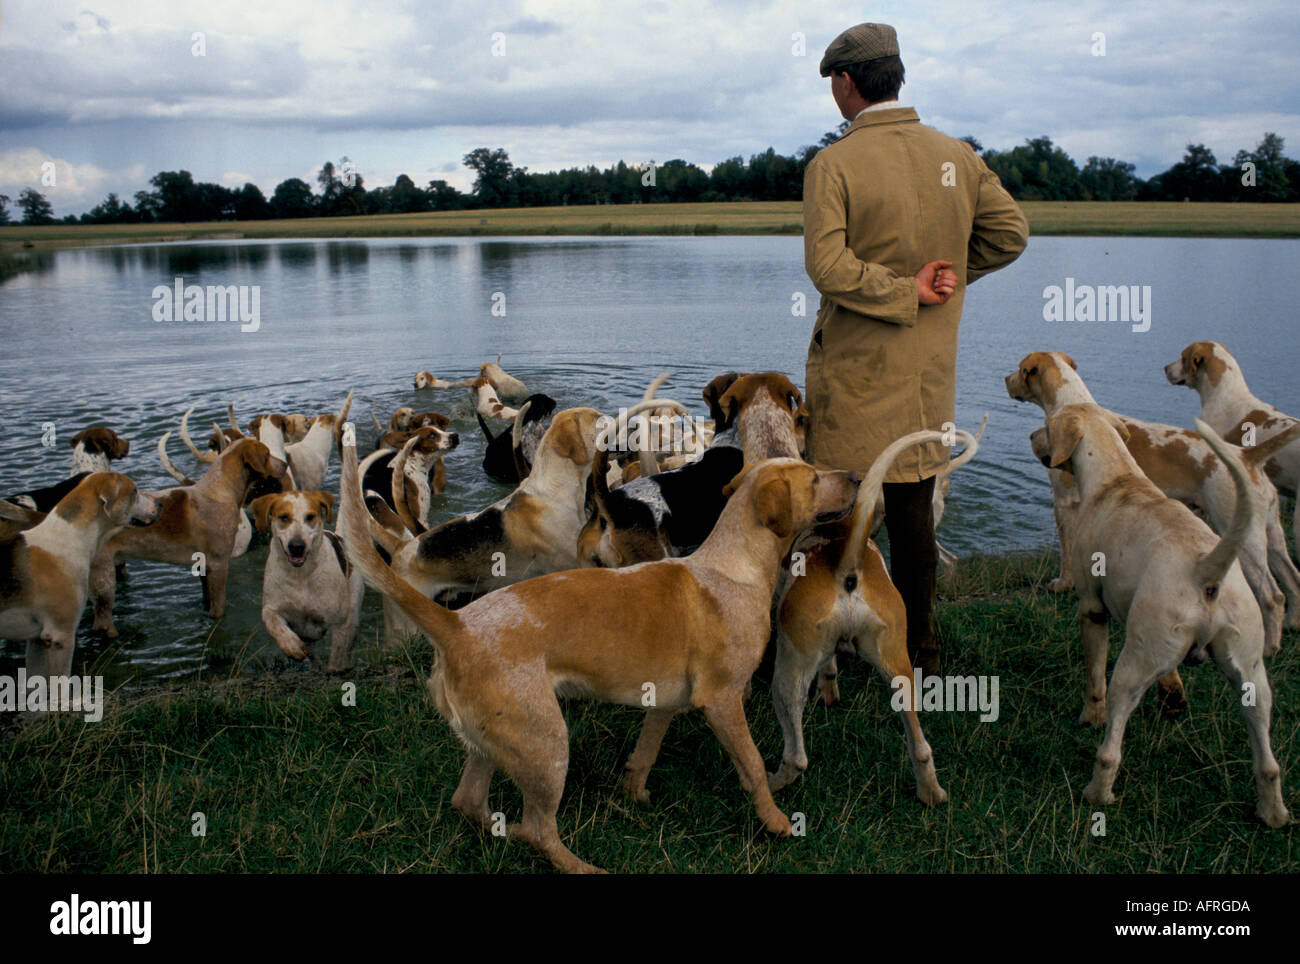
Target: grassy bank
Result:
[[786, 217], [291, 780]]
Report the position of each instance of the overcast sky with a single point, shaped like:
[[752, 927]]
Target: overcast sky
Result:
[[112, 92]]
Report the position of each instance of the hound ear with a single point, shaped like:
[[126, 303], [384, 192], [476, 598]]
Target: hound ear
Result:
[[772, 503], [325, 501], [1118, 425], [261, 507], [117, 488], [569, 442], [715, 390], [735, 483], [73, 442], [728, 408], [1064, 433]]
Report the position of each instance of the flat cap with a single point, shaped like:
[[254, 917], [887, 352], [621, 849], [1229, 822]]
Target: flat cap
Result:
[[866, 41]]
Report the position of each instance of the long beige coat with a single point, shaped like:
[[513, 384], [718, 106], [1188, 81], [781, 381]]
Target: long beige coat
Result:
[[885, 199]]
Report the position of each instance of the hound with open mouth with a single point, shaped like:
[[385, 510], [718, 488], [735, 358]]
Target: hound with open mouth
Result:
[[308, 587]]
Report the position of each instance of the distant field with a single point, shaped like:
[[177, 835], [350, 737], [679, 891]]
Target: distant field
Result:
[[778, 217]]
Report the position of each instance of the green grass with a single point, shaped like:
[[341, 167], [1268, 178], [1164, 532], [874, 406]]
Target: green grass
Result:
[[730, 217], [291, 780]]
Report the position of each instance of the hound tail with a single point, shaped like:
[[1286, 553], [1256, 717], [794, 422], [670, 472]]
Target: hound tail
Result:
[[398, 488], [871, 487], [1256, 455], [439, 623], [343, 417], [646, 455], [167, 463], [206, 457], [1216, 563]]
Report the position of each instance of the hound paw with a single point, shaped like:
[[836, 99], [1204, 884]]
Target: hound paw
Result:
[[294, 650], [1060, 584], [1172, 702], [785, 775], [932, 796], [634, 787], [1098, 796], [777, 824], [1275, 815], [1094, 713]]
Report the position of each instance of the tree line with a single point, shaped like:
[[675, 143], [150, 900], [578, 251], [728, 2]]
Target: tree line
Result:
[[1037, 170]]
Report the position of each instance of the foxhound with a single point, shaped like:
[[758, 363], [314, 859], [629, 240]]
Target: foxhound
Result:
[[838, 596], [1241, 418], [308, 587], [406, 469], [487, 403], [509, 455], [309, 458], [47, 567], [1184, 467], [1150, 563], [196, 529], [531, 531], [692, 631], [95, 450]]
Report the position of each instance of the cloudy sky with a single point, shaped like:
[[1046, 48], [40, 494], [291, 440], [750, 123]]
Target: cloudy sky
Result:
[[112, 92]]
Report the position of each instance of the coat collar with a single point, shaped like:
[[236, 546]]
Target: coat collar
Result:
[[873, 118]]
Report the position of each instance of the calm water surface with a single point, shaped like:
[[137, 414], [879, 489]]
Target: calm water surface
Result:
[[587, 320]]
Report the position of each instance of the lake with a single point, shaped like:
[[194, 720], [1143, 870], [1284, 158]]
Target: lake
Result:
[[587, 320]]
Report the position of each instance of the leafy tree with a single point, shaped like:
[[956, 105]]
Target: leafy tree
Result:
[[1195, 178], [1106, 179], [444, 197], [250, 204], [493, 172], [830, 137], [292, 199], [1036, 171], [147, 206], [178, 196], [111, 210], [1271, 180], [4, 208], [405, 197], [36, 209]]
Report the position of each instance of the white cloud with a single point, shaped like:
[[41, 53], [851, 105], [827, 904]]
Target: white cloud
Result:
[[290, 84], [73, 183]]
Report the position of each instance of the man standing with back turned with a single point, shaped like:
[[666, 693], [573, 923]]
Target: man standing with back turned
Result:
[[898, 219]]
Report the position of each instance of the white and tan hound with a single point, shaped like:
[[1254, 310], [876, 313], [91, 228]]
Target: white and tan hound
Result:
[[47, 567], [694, 629], [200, 520], [1175, 586], [308, 586], [1235, 413], [1184, 467]]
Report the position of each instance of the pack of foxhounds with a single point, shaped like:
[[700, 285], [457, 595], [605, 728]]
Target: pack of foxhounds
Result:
[[652, 552]]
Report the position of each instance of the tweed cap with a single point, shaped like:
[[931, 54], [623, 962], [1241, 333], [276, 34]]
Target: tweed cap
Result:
[[866, 41]]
